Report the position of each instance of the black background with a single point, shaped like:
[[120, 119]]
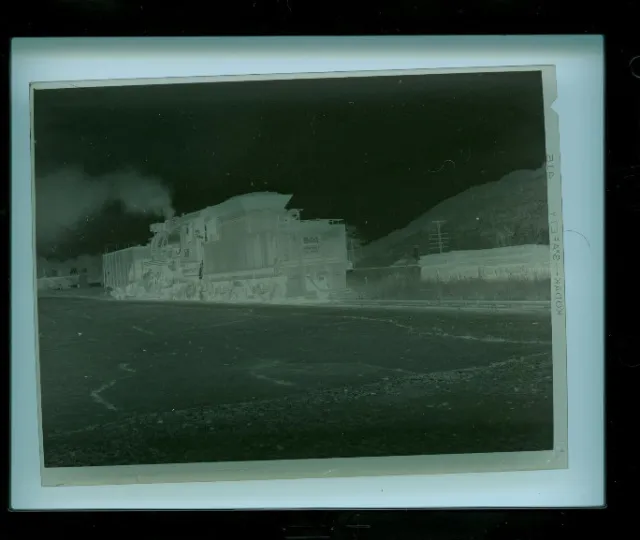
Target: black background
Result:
[[619, 22], [334, 144]]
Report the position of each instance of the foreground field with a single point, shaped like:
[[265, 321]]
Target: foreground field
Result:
[[126, 383]]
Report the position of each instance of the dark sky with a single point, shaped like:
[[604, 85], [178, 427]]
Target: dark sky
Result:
[[372, 150]]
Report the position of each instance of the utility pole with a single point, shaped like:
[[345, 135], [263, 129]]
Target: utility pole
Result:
[[438, 241], [351, 252]]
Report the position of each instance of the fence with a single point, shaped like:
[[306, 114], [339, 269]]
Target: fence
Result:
[[407, 283], [384, 282]]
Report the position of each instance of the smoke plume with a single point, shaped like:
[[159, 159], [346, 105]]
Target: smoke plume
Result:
[[67, 198]]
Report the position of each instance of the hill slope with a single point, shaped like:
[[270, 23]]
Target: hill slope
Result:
[[510, 211]]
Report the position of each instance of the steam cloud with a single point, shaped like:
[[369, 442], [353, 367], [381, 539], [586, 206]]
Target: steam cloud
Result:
[[68, 197]]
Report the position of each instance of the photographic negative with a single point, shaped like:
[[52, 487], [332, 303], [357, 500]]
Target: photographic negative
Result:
[[299, 275]]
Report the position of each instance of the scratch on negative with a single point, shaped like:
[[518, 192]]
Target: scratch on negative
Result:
[[143, 330], [388, 321], [443, 164], [226, 323], [95, 394], [580, 234], [279, 382]]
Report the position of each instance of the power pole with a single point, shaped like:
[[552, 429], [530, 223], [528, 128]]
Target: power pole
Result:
[[438, 241]]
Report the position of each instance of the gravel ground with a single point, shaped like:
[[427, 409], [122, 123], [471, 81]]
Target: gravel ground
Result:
[[217, 384]]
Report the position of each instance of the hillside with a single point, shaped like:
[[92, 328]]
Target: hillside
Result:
[[511, 211]]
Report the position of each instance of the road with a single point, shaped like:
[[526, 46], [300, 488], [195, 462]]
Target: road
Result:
[[126, 382]]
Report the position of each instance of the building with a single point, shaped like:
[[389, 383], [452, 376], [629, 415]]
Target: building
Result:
[[251, 239], [89, 266]]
